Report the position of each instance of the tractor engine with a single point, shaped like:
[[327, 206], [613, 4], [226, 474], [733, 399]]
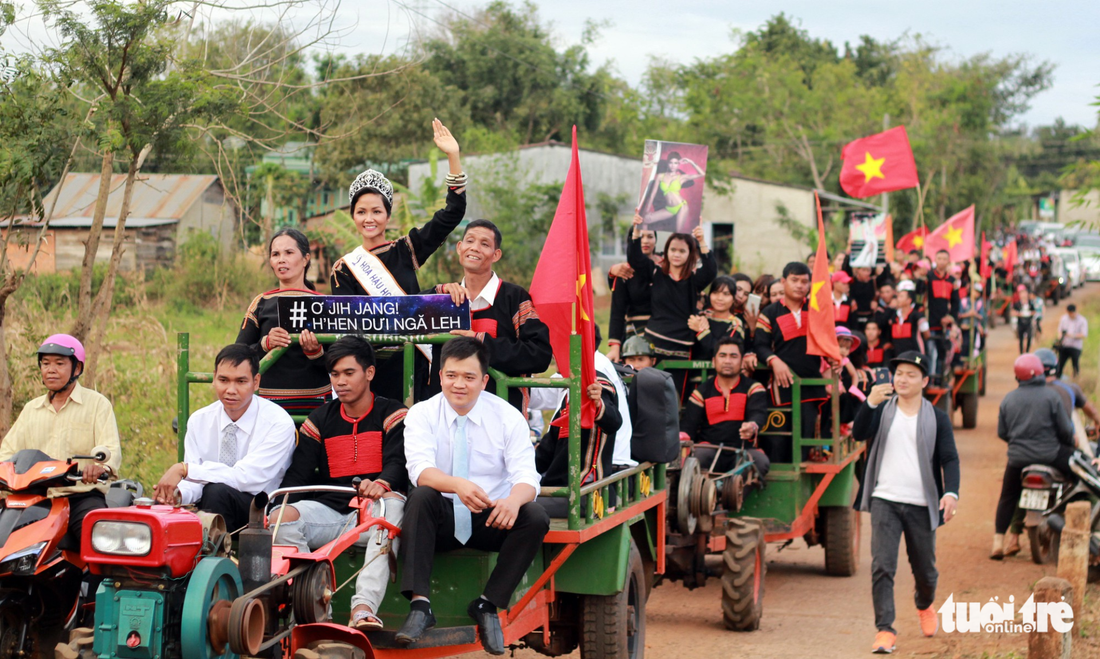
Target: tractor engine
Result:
[[160, 567]]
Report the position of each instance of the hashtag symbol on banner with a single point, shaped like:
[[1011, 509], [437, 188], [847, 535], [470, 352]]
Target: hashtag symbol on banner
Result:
[[298, 314]]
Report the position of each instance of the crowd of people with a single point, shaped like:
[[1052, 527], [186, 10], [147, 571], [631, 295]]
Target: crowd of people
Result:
[[456, 465]]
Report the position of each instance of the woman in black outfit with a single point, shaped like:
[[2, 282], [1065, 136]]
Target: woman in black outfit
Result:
[[630, 305], [298, 382], [675, 288], [395, 262], [718, 319]]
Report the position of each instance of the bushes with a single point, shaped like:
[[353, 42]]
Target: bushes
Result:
[[205, 277]]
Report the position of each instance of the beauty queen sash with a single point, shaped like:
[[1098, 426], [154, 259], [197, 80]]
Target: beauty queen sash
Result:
[[377, 280]]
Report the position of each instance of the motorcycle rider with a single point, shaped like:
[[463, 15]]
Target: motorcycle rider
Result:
[[1038, 430], [68, 420], [1072, 396]]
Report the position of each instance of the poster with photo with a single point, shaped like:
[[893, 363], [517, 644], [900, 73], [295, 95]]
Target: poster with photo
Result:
[[868, 236], [671, 197]]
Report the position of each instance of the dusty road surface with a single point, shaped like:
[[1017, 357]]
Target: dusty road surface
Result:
[[809, 614]]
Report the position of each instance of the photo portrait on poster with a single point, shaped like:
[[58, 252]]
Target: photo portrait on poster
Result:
[[672, 185]]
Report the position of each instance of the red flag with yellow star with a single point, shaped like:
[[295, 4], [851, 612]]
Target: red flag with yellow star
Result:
[[956, 235], [913, 240], [878, 163], [821, 331], [561, 289]]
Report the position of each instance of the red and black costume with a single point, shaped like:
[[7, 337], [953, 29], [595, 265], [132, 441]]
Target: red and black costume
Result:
[[518, 341], [780, 334], [298, 382], [334, 449], [905, 331], [844, 313], [880, 353], [706, 342], [597, 443], [630, 306], [943, 299], [713, 416]]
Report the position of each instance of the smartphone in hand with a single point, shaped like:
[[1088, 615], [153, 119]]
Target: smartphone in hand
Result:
[[882, 375], [752, 306]]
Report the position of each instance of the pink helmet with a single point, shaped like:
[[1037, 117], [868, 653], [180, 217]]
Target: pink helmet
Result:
[[1027, 366], [64, 345]]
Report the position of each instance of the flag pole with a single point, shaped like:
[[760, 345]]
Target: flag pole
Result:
[[886, 195]]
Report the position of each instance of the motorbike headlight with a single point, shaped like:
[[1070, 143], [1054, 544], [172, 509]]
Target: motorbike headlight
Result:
[[24, 561], [122, 538]]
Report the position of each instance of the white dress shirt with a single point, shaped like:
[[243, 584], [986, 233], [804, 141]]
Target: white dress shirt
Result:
[[487, 296], [621, 450], [501, 455], [265, 444]]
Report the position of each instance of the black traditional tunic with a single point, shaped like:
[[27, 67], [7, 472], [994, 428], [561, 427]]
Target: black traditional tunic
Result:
[[297, 382], [943, 299], [905, 333], [630, 306], [597, 443], [780, 336], [335, 449]]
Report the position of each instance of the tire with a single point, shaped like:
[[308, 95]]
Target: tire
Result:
[[743, 574], [841, 541], [1043, 542], [969, 405], [613, 626], [944, 403], [981, 381]]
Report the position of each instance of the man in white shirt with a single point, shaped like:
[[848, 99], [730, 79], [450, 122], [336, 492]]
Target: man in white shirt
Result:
[[910, 487], [470, 458], [1073, 329], [235, 447]]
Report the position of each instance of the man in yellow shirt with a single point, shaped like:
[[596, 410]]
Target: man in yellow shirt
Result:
[[68, 420]]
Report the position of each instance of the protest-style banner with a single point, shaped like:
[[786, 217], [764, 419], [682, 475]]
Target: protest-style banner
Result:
[[671, 196], [353, 314]]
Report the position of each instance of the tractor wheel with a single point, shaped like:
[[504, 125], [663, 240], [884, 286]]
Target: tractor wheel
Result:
[[841, 541], [613, 626], [981, 381], [944, 403], [1044, 543], [969, 405], [743, 574], [330, 650]]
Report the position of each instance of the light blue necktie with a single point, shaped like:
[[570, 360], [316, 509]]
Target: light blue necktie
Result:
[[460, 468]]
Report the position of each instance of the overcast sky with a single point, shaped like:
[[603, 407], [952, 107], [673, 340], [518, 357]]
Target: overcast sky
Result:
[[1063, 32]]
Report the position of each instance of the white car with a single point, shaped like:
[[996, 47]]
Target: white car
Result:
[[1090, 262], [1072, 261]]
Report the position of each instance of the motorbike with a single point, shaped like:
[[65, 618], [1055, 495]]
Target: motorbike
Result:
[[1046, 491], [40, 578]]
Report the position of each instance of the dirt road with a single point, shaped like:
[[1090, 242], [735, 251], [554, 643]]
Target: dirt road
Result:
[[808, 614]]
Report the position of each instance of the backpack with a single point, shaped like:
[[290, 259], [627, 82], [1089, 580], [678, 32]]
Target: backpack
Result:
[[655, 415]]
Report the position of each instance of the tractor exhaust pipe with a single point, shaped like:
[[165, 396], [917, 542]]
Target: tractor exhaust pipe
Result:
[[254, 548]]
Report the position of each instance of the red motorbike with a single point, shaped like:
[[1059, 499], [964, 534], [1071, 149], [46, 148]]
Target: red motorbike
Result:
[[40, 581]]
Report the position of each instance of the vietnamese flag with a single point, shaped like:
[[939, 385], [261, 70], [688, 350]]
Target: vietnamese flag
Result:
[[985, 269], [914, 240], [561, 289], [821, 331], [878, 163], [956, 235], [1011, 258]]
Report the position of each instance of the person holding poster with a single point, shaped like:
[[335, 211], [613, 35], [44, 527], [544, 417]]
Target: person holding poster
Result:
[[384, 267], [669, 169]]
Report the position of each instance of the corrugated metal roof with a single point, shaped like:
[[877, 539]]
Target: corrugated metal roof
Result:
[[156, 196]]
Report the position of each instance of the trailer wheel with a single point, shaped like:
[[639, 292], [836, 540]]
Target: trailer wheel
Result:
[[613, 626], [743, 574], [981, 381], [841, 541], [944, 403], [968, 403]]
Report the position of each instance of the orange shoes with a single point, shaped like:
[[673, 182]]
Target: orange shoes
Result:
[[929, 621], [884, 643]]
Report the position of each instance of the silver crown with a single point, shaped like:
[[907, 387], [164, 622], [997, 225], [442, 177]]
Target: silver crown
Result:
[[374, 181]]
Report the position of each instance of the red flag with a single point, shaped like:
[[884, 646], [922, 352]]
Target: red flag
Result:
[[1010, 257], [878, 163], [956, 235], [913, 240], [986, 270], [821, 331], [561, 289]]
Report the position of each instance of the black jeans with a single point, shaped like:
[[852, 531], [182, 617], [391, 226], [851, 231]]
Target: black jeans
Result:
[[429, 525], [1069, 354], [233, 505], [1011, 486], [889, 521], [79, 506], [1024, 333]]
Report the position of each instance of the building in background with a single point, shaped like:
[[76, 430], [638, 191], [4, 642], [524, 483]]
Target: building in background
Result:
[[164, 211]]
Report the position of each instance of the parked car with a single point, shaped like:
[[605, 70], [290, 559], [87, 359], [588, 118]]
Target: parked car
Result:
[[1088, 246], [1071, 259]]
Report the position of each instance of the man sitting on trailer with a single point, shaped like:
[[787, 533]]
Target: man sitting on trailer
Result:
[[501, 313], [470, 457], [359, 435], [235, 448], [727, 410], [597, 443]]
